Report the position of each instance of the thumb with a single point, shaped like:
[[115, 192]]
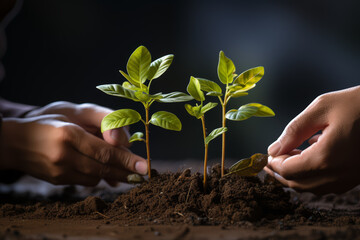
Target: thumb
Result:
[[301, 128]]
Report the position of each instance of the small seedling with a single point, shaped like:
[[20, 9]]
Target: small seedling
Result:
[[249, 166], [140, 70], [199, 111], [235, 86]]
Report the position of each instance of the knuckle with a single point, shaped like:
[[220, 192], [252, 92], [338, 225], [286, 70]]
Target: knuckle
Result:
[[104, 155]]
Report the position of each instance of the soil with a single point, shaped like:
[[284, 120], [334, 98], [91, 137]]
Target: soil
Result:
[[176, 206]]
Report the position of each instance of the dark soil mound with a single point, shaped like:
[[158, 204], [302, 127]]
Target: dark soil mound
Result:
[[180, 197]]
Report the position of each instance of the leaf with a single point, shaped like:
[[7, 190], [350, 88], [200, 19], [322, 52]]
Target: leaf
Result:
[[136, 137], [208, 107], [250, 76], [194, 110], [130, 86], [263, 111], [119, 118], [249, 166], [214, 94], [174, 97], [243, 113], [135, 83], [159, 66], [194, 89], [239, 93], [226, 69], [118, 91], [135, 178], [209, 86], [166, 120], [138, 64], [142, 96], [243, 88], [214, 134]]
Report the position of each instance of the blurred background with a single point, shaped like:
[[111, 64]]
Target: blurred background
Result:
[[63, 49]]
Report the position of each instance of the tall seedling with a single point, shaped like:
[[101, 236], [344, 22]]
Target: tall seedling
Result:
[[140, 74], [235, 86], [199, 111]]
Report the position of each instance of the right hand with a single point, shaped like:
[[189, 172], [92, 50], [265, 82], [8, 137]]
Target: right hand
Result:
[[51, 148], [331, 163]]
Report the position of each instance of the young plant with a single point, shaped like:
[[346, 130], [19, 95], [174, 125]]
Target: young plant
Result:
[[199, 111], [140, 74], [235, 86]]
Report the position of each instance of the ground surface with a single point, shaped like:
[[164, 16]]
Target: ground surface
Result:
[[238, 208]]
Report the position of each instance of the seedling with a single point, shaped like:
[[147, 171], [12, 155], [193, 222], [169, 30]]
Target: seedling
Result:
[[235, 86], [140, 74], [199, 111]]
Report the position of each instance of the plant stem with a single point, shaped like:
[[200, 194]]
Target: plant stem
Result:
[[206, 153], [223, 139], [147, 140]]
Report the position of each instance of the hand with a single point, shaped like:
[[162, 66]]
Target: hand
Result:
[[332, 161], [89, 117], [55, 149]]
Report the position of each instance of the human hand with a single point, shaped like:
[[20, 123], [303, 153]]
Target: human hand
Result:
[[51, 148], [89, 117], [332, 161]]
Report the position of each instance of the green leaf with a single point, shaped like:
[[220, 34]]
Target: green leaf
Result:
[[142, 96], [209, 86], [119, 118], [159, 66], [215, 133], [214, 94], [174, 97], [136, 137], [135, 83], [118, 91], [226, 69], [130, 86], [243, 113], [190, 109], [238, 94], [166, 120], [263, 111], [139, 64], [194, 89], [243, 88], [249, 166], [250, 76], [194, 110], [208, 107]]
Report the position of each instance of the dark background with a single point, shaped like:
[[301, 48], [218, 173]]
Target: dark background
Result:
[[63, 49]]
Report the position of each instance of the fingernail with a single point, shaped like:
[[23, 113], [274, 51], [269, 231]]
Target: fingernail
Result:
[[274, 148], [141, 167], [270, 158]]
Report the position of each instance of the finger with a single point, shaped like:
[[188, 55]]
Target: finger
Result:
[[314, 139], [296, 165], [306, 124], [88, 166], [318, 185], [104, 153], [117, 137]]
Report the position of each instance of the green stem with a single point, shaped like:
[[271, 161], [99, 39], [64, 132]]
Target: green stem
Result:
[[206, 153], [223, 141], [147, 140]]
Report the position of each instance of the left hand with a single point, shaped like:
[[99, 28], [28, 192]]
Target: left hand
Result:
[[89, 117]]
